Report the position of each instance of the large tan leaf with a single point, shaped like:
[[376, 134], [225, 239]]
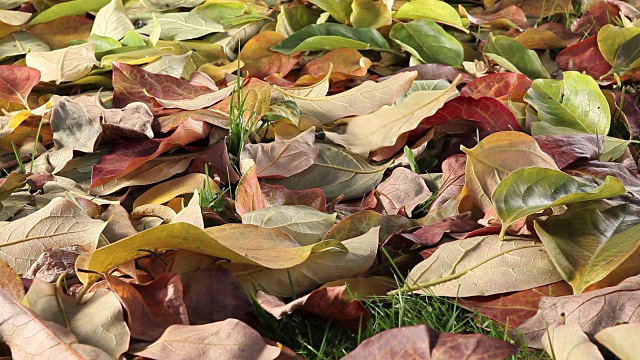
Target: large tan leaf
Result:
[[366, 133], [568, 342], [66, 64], [362, 99], [622, 340], [228, 339], [483, 265], [592, 311], [495, 157], [30, 337], [10, 282], [98, 321], [306, 225], [248, 244], [59, 224], [319, 268]]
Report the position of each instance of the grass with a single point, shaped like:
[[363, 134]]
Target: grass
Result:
[[316, 339]]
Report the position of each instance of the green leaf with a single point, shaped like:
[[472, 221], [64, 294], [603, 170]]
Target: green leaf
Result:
[[305, 225], [586, 244], [183, 26], [331, 36], [526, 191], [69, 8], [339, 9], [438, 11], [514, 57], [628, 56], [294, 18], [428, 41], [132, 38], [575, 102], [104, 43], [611, 37], [336, 172], [370, 13]]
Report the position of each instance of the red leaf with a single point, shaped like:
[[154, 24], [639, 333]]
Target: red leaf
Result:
[[598, 15], [497, 85], [485, 112], [584, 56], [217, 158], [130, 83], [16, 82], [153, 307], [513, 309], [128, 156]]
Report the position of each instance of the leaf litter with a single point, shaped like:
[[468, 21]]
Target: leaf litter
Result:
[[171, 170]]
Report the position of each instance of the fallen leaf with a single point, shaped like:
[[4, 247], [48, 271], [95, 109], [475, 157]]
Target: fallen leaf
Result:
[[565, 342], [620, 340], [336, 172], [585, 57], [495, 157], [496, 85], [366, 98], [483, 266], [97, 321], [283, 158], [514, 57], [592, 311], [55, 262], [59, 32], [168, 190], [527, 191], [112, 21], [67, 64], [402, 191], [422, 342], [230, 339], [260, 61], [305, 225], [59, 224], [339, 65], [10, 282], [19, 325], [427, 41], [365, 133], [16, 82], [279, 195]]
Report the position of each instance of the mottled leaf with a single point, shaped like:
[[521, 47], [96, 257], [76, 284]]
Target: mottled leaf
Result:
[[514, 57], [260, 61], [428, 42], [402, 191], [16, 82], [329, 37]]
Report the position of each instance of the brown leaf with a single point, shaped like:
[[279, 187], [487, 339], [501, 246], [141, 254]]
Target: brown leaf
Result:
[[437, 72], [344, 64], [511, 16], [212, 295], [592, 311], [326, 303], [153, 307], [422, 342], [515, 308], [229, 339], [598, 15], [279, 195], [132, 83], [248, 193], [54, 262], [10, 282], [260, 61], [59, 32], [402, 192], [128, 156], [16, 82], [29, 337], [283, 158], [217, 158]]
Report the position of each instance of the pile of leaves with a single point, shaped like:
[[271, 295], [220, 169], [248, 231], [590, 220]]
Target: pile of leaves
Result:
[[170, 166]]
